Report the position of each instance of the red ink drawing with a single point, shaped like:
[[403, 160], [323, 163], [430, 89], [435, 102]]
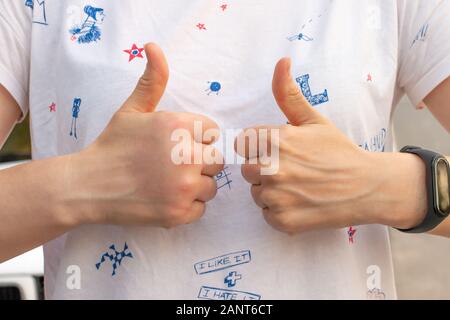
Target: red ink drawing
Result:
[[201, 26], [52, 107], [134, 52], [351, 233]]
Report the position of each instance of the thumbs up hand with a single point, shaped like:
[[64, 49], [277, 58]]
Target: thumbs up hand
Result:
[[323, 179], [128, 176]]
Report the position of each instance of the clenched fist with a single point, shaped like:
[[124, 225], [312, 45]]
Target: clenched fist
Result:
[[324, 180], [127, 176]]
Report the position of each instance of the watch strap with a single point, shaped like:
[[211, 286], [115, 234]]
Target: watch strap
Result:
[[432, 218]]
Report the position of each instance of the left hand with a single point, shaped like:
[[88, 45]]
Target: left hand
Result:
[[324, 179]]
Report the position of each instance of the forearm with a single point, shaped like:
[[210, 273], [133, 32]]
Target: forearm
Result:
[[402, 195], [34, 207]]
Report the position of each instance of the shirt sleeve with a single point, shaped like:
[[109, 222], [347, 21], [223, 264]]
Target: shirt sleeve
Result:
[[424, 46], [15, 38]]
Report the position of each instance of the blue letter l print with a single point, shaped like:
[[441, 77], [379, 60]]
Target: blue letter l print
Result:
[[303, 81]]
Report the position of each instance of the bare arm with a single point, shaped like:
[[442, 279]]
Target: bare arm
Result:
[[9, 114], [113, 181], [28, 219], [438, 101]]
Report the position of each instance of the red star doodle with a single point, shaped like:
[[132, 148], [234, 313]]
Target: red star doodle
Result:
[[52, 107], [201, 26], [224, 7], [369, 78], [351, 233], [134, 52]]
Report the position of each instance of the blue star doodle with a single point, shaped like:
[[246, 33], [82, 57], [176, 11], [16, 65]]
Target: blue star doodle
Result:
[[89, 31], [115, 257], [38, 7], [232, 278], [314, 100], [214, 87], [75, 113]]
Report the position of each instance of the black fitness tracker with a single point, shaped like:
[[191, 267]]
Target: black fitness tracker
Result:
[[438, 188]]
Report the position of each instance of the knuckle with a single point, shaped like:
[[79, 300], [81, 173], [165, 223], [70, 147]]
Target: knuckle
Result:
[[282, 223], [187, 184], [268, 197], [177, 216]]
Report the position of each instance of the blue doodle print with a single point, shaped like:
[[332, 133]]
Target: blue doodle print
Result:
[[211, 293], [300, 36], [222, 179], [232, 278], [421, 35], [115, 257], [75, 113], [39, 15], [314, 100], [89, 31], [214, 87]]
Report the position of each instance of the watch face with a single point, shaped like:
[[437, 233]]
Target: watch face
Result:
[[442, 186]]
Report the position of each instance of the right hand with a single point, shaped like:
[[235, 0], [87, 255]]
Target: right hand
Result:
[[127, 176]]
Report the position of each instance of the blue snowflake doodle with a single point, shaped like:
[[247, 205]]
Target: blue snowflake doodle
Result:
[[75, 113], [421, 35], [314, 100], [38, 7], [214, 87], [115, 257], [232, 278], [89, 31]]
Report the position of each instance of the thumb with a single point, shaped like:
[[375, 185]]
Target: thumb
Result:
[[290, 99], [152, 83]]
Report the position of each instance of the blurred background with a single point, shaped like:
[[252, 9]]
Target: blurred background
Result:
[[421, 262]]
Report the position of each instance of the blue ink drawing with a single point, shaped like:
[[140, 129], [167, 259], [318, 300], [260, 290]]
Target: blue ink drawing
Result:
[[75, 113], [115, 257], [223, 262], [232, 278], [222, 179], [214, 87], [376, 143], [38, 7], [210, 293], [314, 100], [89, 31], [300, 36], [421, 35]]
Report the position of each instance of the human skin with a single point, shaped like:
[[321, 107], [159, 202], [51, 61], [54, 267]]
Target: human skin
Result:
[[326, 181], [126, 176]]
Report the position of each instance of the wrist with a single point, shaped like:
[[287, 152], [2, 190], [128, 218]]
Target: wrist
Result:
[[79, 180], [401, 197]]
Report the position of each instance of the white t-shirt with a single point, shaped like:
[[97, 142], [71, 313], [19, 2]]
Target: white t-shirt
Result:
[[73, 63]]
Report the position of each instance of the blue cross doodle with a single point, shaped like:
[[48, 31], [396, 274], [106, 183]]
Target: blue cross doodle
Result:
[[75, 114], [314, 100], [232, 278], [114, 257]]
